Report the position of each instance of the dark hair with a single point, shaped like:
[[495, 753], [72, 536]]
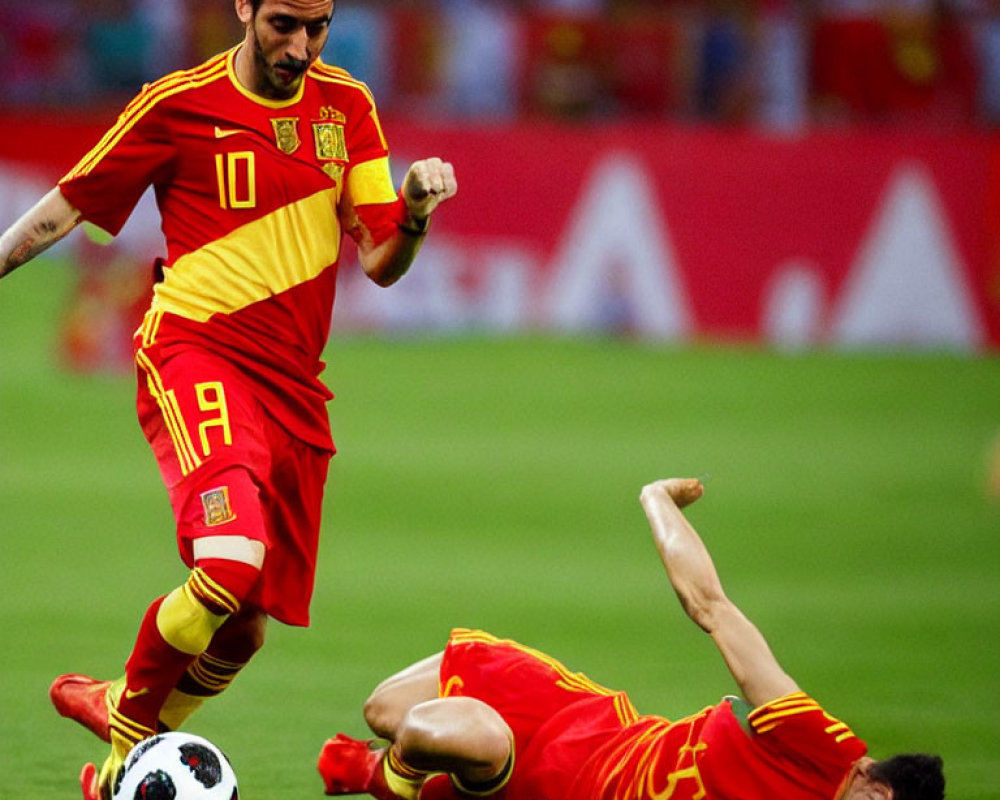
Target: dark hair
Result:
[[256, 4], [914, 776]]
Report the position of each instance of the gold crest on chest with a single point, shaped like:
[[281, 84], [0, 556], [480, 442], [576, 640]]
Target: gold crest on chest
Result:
[[330, 142], [286, 133]]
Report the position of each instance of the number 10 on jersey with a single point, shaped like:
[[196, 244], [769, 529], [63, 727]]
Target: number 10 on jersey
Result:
[[236, 178]]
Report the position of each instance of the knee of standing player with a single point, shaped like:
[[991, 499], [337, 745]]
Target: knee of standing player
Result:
[[190, 615]]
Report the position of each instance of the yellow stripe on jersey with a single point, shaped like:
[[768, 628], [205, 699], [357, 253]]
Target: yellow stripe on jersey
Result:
[[768, 717], [327, 74], [627, 712], [270, 255], [172, 417], [571, 681], [152, 94], [370, 182]]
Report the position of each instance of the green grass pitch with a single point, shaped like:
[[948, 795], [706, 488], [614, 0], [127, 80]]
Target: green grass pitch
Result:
[[494, 484]]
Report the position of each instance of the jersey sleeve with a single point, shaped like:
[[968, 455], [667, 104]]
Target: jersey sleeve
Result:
[[369, 180], [798, 730], [109, 180]]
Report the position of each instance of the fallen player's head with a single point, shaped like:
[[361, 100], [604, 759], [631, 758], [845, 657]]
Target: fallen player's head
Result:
[[912, 776]]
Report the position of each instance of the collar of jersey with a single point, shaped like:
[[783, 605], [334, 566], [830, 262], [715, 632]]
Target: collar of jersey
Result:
[[263, 101]]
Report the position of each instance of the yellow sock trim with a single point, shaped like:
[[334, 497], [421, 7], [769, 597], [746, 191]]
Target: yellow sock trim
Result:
[[401, 778], [186, 624], [212, 676], [213, 591], [178, 707], [114, 693]]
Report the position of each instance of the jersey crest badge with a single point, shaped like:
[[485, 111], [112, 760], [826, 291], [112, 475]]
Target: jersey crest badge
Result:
[[286, 133], [330, 142], [215, 503]]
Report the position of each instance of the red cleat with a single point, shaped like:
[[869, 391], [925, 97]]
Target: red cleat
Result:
[[84, 700], [88, 782], [351, 766]]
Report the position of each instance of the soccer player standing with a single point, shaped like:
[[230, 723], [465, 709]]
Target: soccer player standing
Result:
[[260, 159], [509, 721]]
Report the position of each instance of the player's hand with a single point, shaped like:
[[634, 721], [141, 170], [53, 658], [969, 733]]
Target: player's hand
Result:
[[682, 491], [427, 184]]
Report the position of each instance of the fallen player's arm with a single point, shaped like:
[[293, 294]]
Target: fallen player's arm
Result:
[[696, 582], [44, 224]]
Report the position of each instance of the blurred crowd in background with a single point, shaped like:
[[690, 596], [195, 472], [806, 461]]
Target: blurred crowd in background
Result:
[[783, 64]]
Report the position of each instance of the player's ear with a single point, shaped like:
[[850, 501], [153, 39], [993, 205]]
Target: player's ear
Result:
[[880, 791], [244, 10]]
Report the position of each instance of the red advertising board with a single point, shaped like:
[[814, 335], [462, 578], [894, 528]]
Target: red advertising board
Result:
[[831, 238]]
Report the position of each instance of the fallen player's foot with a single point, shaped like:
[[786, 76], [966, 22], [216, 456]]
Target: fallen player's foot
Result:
[[84, 700], [88, 782], [347, 765], [353, 766]]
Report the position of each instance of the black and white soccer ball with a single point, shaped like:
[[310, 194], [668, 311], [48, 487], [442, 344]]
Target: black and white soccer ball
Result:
[[176, 766]]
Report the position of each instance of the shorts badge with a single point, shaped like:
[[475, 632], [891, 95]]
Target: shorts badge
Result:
[[215, 503], [286, 133]]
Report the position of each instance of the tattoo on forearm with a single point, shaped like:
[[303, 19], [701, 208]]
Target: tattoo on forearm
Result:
[[18, 256], [39, 228]]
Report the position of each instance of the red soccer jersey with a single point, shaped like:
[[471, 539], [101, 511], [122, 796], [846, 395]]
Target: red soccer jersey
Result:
[[576, 740], [248, 190], [791, 749]]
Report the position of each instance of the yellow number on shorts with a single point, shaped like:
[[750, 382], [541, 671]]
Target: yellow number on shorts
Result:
[[212, 397]]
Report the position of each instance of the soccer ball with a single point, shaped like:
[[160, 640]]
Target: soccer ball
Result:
[[176, 766]]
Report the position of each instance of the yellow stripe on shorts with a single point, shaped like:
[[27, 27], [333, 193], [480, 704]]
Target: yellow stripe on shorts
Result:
[[172, 416]]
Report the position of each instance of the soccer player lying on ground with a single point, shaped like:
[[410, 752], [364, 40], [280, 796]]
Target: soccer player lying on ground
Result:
[[491, 717], [261, 159]]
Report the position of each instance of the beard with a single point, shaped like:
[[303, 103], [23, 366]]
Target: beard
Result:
[[280, 80]]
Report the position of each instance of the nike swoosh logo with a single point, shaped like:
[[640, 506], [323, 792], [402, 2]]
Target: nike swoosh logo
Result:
[[131, 695], [222, 133]]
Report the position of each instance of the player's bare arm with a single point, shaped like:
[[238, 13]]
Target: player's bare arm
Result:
[[427, 184], [44, 224], [696, 582]]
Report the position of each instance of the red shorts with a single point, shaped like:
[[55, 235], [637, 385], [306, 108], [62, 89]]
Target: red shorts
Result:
[[231, 470], [558, 717]]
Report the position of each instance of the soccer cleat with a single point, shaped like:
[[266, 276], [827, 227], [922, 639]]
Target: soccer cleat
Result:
[[348, 765], [88, 782], [353, 766], [84, 700]]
